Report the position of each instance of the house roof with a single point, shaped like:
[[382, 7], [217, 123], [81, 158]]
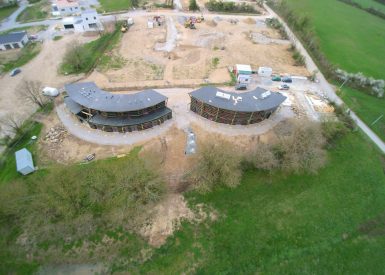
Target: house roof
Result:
[[12, 37], [253, 101], [23, 159], [89, 95], [66, 3], [72, 105]]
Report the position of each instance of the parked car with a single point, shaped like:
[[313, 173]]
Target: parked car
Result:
[[284, 87], [32, 37], [287, 79], [49, 91], [15, 72], [276, 78], [241, 86]]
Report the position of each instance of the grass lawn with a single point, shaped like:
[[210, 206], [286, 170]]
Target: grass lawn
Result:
[[352, 46], [116, 5], [367, 107], [346, 41], [8, 170], [23, 57], [328, 223], [93, 53], [288, 224], [7, 11], [39, 11]]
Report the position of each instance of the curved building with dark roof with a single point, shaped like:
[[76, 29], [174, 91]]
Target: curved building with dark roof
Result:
[[116, 112], [235, 108]]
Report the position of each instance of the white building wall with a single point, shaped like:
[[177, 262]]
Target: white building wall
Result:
[[91, 21]]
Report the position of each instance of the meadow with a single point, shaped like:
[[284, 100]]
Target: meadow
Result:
[[352, 40]]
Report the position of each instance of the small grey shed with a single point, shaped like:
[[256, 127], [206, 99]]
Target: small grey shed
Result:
[[24, 162]]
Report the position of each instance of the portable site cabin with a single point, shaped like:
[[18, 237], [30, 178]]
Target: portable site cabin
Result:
[[243, 69], [24, 162], [265, 71]]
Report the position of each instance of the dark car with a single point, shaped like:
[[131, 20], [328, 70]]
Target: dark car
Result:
[[284, 87], [241, 86], [15, 72], [287, 79]]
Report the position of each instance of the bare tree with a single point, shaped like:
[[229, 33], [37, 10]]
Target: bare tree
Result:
[[75, 56], [12, 123], [32, 91]]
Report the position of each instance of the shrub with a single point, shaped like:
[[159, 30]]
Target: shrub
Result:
[[333, 130], [193, 6], [214, 5], [217, 164]]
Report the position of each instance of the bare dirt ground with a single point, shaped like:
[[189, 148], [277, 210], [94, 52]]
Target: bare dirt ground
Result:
[[200, 56], [42, 68]]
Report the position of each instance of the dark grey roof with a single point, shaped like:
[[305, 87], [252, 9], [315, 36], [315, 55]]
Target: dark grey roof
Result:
[[72, 105], [252, 101], [89, 95], [12, 37], [121, 121]]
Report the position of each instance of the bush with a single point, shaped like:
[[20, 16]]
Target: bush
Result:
[[214, 5], [333, 130], [217, 164], [193, 6]]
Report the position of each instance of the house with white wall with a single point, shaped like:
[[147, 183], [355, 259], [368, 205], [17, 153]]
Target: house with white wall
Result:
[[87, 21], [13, 40], [65, 7]]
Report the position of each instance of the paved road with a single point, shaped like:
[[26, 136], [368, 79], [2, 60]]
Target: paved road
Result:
[[10, 21], [327, 88]]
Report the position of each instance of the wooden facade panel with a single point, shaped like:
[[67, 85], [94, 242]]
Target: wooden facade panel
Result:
[[227, 116]]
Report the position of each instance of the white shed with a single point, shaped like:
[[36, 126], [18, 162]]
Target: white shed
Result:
[[24, 162], [265, 71]]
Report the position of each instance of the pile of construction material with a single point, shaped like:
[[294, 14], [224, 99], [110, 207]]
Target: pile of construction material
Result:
[[56, 135]]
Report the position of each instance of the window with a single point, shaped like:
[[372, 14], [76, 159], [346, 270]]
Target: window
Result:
[[94, 17], [92, 26], [86, 18]]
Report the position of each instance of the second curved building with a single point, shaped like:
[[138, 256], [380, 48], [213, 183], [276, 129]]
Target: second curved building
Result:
[[235, 108]]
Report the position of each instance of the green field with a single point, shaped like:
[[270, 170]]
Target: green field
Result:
[[289, 224], [116, 5], [38, 11], [273, 223], [351, 45], [7, 11]]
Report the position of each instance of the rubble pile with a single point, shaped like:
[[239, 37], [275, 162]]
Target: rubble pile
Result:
[[56, 135]]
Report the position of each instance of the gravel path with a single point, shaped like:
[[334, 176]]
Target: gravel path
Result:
[[325, 85]]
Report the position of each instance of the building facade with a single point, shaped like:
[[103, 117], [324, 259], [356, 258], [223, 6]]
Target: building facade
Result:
[[235, 108], [116, 112], [13, 40], [87, 21]]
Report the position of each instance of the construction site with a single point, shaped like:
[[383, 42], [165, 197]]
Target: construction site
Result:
[[176, 51]]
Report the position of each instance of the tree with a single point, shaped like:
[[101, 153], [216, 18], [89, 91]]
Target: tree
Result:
[[301, 147], [218, 163], [75, 56], [193, 6], [13, 123], [32, 91]]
